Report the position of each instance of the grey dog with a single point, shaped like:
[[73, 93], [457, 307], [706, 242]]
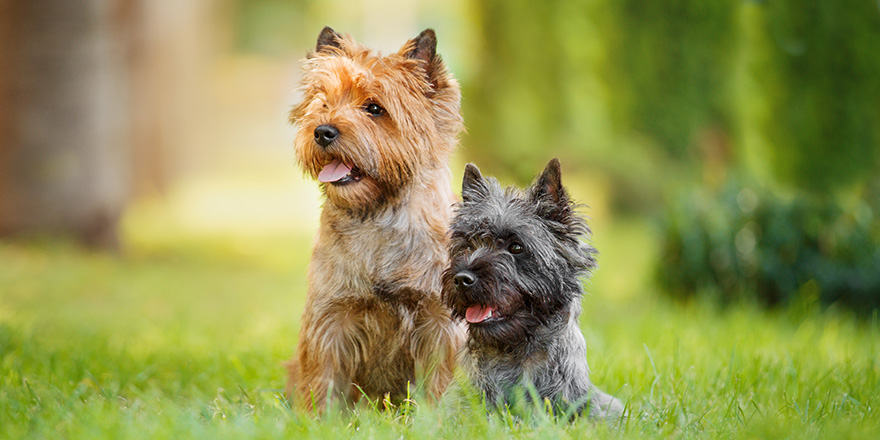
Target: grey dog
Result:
[[517, 259]]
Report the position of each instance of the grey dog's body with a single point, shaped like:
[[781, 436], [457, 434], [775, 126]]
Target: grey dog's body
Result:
[[554, 363], [516, 263]]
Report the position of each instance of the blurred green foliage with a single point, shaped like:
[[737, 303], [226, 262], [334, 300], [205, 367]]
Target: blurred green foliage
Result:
[[822, 84], [745, 242], [670, 67], [802, 81], [517, 109], [270, 26]]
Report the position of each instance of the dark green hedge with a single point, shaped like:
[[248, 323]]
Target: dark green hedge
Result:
[[745, 242]]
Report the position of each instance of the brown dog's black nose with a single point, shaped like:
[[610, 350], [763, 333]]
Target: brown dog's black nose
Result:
[[325, 134], [464, 279]]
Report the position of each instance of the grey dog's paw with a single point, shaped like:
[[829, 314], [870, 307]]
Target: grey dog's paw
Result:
[[605, 406]]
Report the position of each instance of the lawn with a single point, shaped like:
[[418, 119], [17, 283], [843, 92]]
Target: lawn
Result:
[[183, 336]]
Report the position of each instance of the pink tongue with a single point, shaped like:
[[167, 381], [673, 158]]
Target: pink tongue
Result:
[[334, 171], [478, 313]]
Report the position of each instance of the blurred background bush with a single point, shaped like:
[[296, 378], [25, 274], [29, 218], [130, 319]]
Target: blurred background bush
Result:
[[745, 242], [749, 130]]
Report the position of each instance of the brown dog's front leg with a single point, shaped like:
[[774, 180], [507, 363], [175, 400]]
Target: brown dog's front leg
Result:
[[435, 346], [327, 355]]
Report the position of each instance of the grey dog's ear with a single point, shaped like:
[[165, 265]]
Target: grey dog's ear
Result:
[[473, 184], [549, 193], [549, 184]]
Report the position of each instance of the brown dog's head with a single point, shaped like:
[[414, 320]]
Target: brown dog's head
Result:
[[368, 124]]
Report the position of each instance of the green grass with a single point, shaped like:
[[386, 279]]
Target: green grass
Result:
[[184, 337]]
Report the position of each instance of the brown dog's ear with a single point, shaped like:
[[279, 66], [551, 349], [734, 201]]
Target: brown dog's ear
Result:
[[328, 38], [472, 185], [424, 47]]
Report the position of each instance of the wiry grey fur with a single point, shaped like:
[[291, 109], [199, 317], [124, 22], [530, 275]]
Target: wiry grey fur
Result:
[[536, 341]]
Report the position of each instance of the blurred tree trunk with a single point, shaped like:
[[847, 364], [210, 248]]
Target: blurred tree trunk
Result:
[[98, 100], [169, 53], [64, 141]]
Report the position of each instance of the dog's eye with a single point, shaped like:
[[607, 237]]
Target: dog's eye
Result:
[[515, 248], [374, 109]]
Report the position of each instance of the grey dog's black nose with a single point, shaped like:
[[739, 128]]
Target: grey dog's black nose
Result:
[[325, 134], [464, 279]]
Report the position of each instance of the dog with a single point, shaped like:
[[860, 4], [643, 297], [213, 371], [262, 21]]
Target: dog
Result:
[[516, 262], [376, 132]]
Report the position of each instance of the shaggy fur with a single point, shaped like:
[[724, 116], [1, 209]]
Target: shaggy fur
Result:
[[373, 320], [516, 263]]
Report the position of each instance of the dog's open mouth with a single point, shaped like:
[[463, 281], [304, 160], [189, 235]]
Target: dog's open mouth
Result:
[[480, 314], [339, 172]]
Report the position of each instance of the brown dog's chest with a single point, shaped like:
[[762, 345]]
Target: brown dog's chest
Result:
[[364, 255]]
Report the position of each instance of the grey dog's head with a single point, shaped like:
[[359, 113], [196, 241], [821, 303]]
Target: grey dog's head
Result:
[[516, 257]]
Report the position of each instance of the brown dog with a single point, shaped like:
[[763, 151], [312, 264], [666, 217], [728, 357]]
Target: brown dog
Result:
[[377, 132]]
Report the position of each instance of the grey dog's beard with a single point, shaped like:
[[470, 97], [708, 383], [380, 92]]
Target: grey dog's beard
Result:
[[519, 307]]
